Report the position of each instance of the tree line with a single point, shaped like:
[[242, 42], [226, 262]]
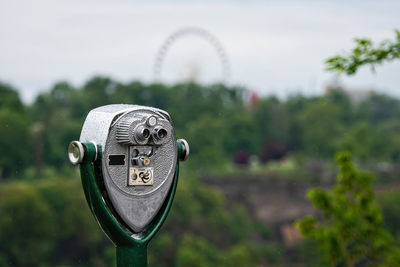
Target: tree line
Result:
[[223, 125]]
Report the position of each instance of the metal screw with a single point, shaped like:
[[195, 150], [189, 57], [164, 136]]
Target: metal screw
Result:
[[146, 161]]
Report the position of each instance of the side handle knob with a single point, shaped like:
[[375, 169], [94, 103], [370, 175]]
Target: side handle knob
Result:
[[185, 150]]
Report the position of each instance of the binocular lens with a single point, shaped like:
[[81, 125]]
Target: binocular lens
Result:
[[161, 133], [142, 134], [145, 133]]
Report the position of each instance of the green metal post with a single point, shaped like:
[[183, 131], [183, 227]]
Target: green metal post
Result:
[[132, 256]]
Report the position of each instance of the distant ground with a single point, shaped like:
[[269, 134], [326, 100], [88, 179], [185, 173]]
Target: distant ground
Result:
[[273, 201]]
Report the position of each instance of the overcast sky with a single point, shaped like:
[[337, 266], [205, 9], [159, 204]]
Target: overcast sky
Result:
[[274, 47]]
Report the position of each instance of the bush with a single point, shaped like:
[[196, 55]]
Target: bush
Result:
[[351, 231]]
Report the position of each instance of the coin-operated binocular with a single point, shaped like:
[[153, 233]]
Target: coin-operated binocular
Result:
[[129, 162]]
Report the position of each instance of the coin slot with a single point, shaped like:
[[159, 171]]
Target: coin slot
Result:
[[135, 153], [116, 160]]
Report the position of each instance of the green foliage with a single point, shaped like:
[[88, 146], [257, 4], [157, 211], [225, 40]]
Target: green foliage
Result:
[[196, 251], [365, 53], [204, 208], [379, 108], [389, 204], [15, 144], [208, 150], [351, 230], [9, 98], [327, 116], [308, 252], [48, 223], [271, 120], [15, 135], [24, 207]]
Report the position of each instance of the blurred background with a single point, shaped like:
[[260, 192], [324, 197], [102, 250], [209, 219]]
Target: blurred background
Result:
[[245, 83]]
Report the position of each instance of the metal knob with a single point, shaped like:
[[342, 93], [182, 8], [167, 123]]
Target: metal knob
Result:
[[75, 152], [185, 150]]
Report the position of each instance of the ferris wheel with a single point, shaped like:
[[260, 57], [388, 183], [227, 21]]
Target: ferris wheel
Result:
[[191, 31]]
